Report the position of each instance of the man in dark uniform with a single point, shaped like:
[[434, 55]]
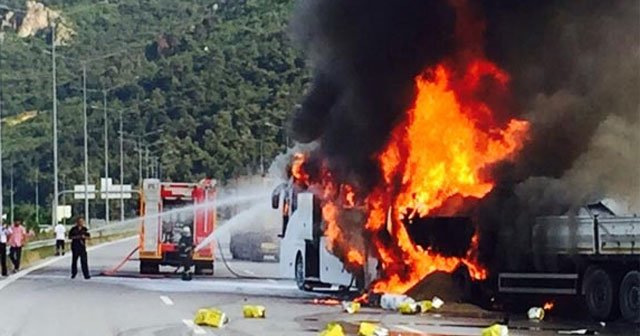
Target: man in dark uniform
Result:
[[78, 235], [185, 249]]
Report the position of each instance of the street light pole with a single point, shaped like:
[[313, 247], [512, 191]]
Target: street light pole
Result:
[[54, 213], [121, 171], [37, 197], [140, 162], [1, 102], [106, 158], [86, 149], [146, 147], [11, 195]]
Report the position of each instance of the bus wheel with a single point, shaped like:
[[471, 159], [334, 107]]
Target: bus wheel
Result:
[[600, 294], [630, 297], [299, 274]]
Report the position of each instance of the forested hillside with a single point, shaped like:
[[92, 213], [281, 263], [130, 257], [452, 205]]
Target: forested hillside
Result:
[[213, 81]]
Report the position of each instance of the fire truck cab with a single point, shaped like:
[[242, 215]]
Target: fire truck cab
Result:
[[167, 208]]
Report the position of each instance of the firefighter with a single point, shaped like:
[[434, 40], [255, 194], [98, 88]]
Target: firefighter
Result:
[[78, 235], [185, 248]]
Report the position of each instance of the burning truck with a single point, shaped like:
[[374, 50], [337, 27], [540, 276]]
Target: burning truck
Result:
[[420, 157]]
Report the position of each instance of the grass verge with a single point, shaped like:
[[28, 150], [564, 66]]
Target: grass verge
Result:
[[29, 257]]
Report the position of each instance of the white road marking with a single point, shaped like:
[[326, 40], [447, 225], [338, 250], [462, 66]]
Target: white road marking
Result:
[[249, 272], [272, 281], [409, 329], [12, 278], [196, 328], [167, 300]]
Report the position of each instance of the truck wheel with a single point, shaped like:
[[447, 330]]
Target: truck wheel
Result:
[[204, 269], [600, 294], [299, 275], [257, 256], [630, 297], [147, 267]]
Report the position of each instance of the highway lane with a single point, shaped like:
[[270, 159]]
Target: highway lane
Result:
[[47, 302]]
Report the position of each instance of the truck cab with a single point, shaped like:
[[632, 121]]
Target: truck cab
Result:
[[167, 208]]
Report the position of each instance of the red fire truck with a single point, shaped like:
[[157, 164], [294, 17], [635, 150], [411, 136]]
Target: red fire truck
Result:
[[167, 208]]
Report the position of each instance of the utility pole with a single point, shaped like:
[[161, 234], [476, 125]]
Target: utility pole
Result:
[[11, 195], [106, 158], [121, 171], [86, 149], [54, 213], [140, 162], [1, 102], [37, 197], [146, 148], [261, 157]]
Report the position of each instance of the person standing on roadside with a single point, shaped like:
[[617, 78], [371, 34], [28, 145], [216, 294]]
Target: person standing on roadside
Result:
[[4, 236], [60, 232], [17, 239], [79, 235]]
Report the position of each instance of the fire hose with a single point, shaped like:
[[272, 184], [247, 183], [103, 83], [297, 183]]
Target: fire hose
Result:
[[226, 265]]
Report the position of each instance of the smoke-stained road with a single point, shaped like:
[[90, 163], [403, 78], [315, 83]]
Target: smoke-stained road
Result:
[[46, 302]]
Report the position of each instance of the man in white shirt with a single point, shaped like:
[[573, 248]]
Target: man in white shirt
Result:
[[60, 235], [4, 233]]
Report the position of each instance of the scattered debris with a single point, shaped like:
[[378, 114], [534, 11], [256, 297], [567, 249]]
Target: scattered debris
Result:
[[393, 301], [496, 330], [407, 305], [536, 314], [252, 311], [351, 307], [578, 332], [436, 302], [409, 308], [333, 329], [211, 317], [328, 302], [372, 329]]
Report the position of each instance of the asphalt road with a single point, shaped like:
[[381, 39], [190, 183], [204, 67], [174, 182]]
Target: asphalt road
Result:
[[45, 301]]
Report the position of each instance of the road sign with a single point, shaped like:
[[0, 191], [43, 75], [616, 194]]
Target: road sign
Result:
[[78, 191], [64, 211], [114, 191], [105, 183]]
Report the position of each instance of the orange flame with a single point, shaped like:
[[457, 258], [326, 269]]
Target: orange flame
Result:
[[444, 153], [444, 147], [548, 305], [327, 302], [298, 173]]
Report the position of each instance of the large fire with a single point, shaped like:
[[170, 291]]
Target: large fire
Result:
[[444, 147], [436, 153]]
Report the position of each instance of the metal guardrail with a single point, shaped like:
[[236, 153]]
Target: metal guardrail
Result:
[[101, 232]]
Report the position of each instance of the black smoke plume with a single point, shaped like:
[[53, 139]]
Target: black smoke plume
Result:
[[365, 55], [575, 75], [575, 68]]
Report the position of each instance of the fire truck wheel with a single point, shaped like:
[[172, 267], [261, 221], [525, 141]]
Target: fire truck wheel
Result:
[[147, 267], [630, 297], [204, 269], [600, 293]]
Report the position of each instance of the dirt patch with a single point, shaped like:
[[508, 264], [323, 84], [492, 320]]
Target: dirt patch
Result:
[[437, 284]]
